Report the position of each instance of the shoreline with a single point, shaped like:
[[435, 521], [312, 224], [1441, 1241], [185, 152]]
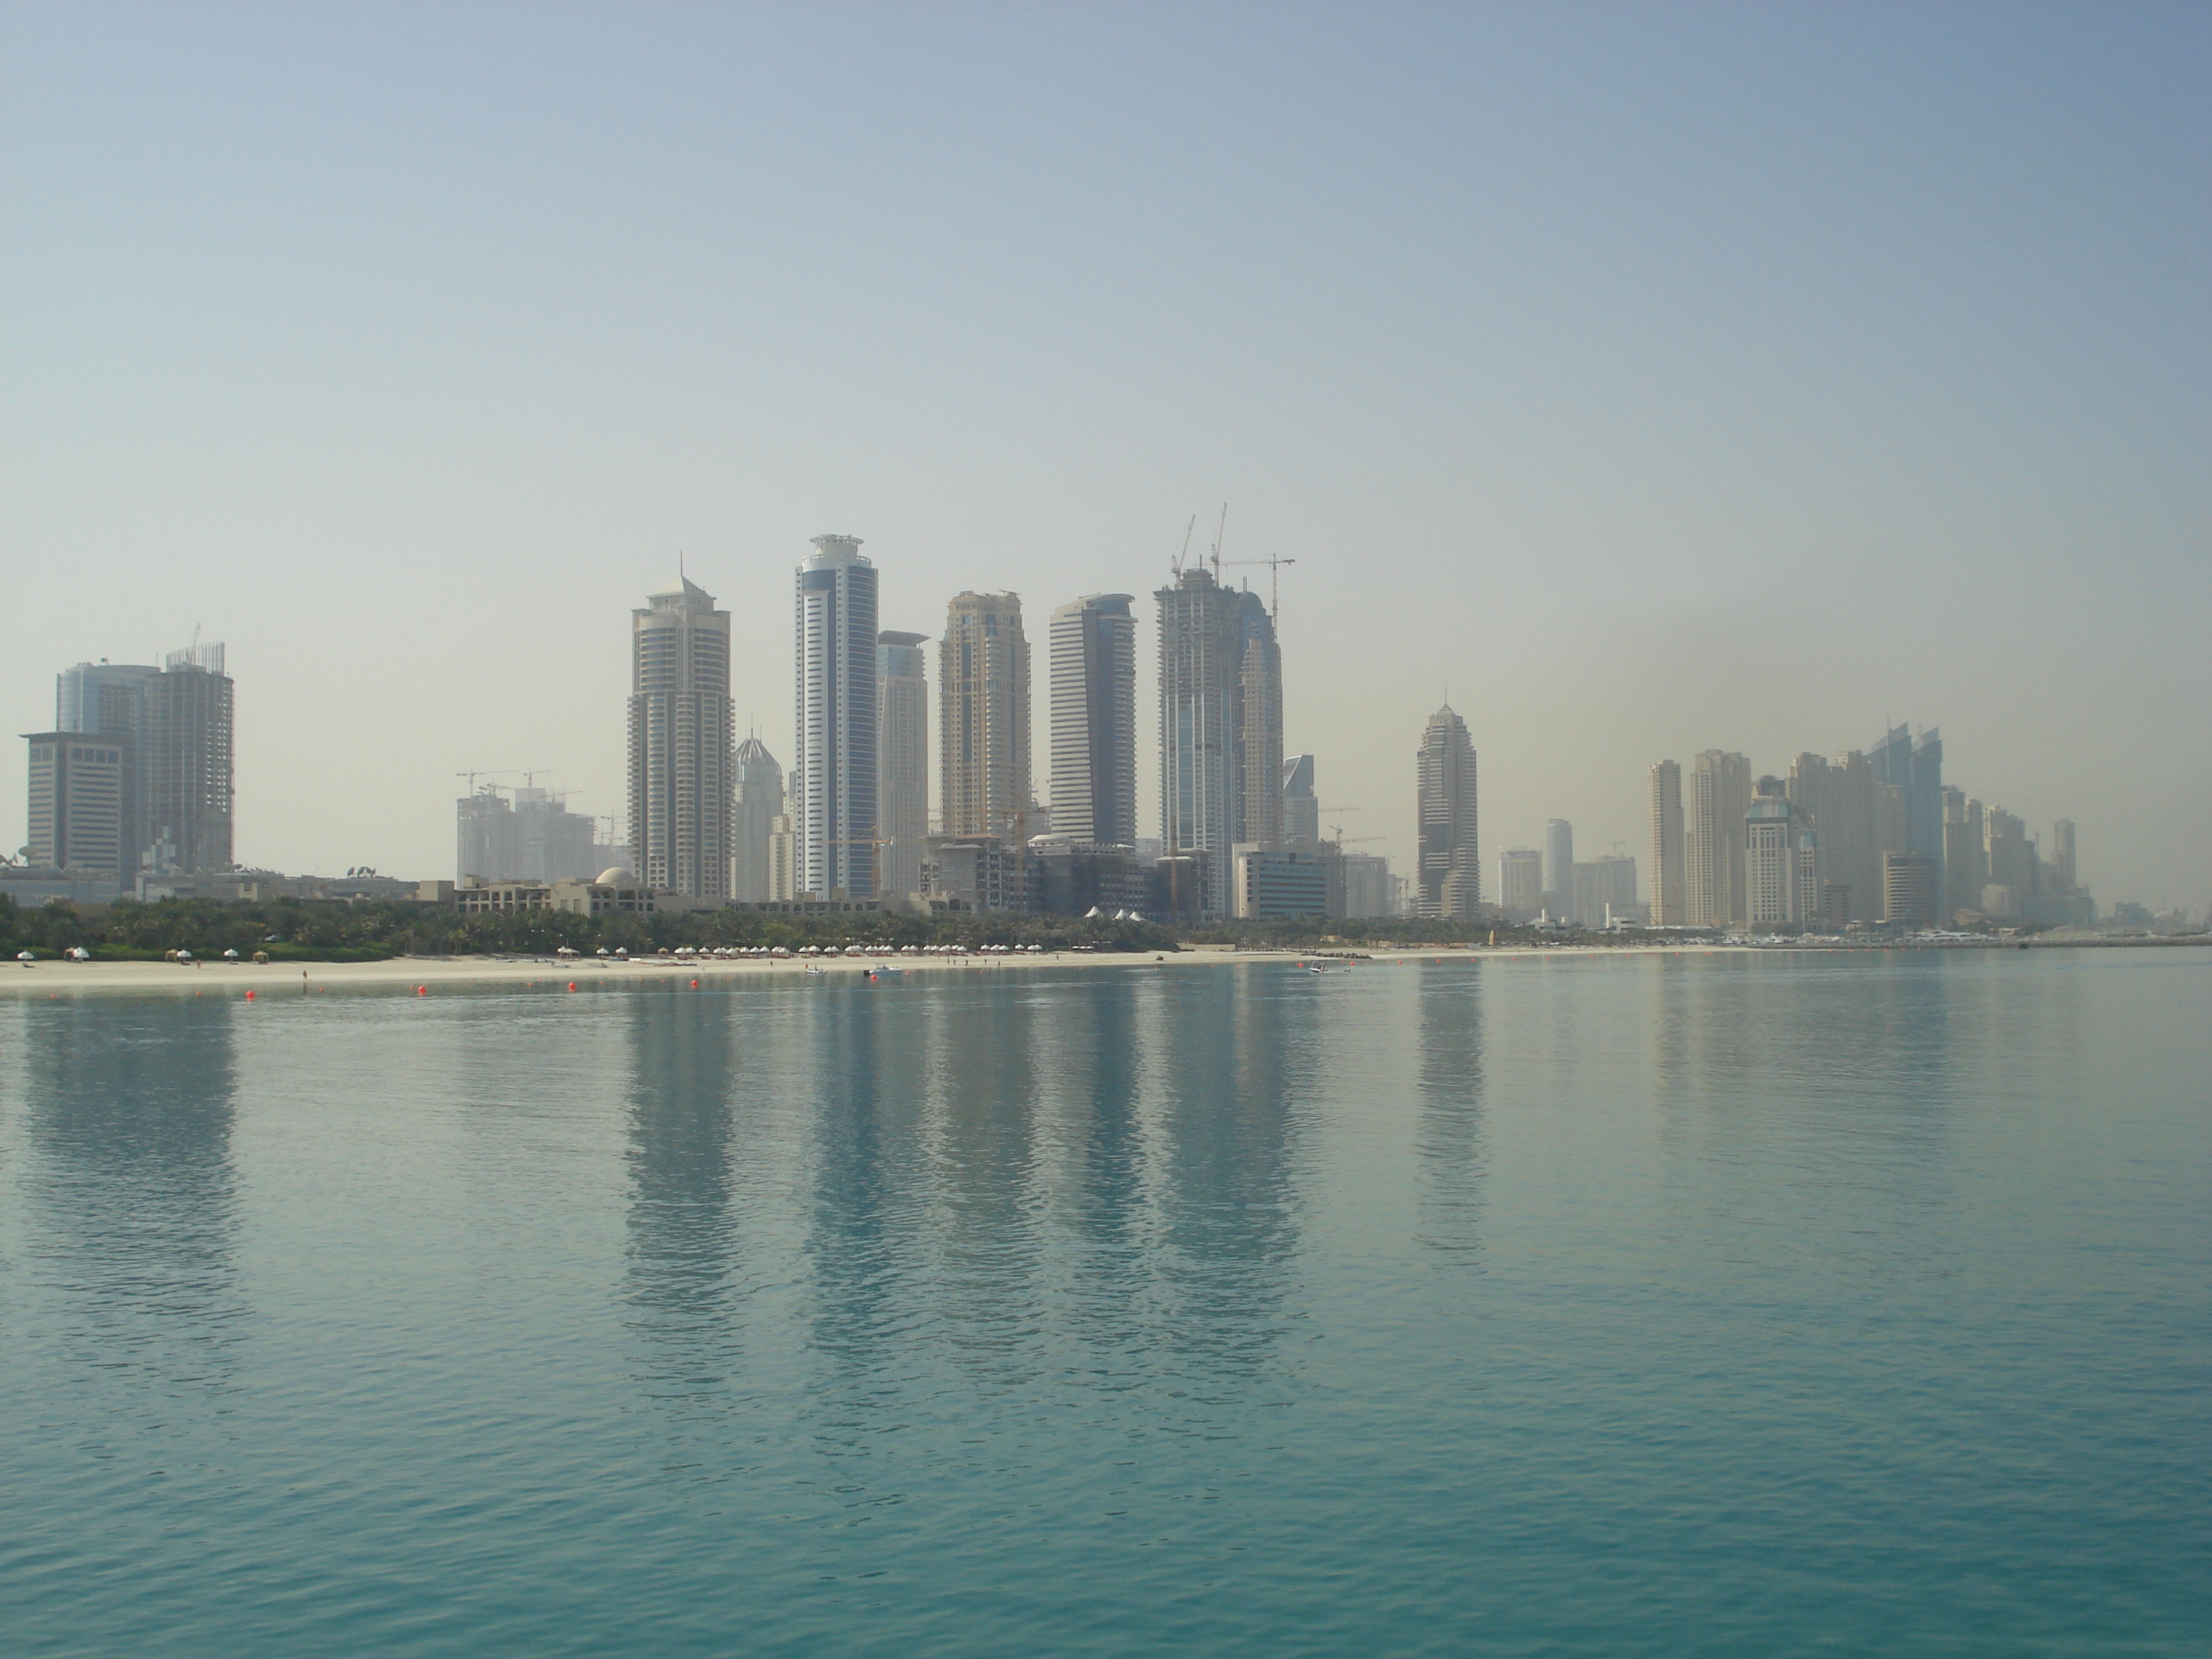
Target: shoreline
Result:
[[432, 972], [426, 974]]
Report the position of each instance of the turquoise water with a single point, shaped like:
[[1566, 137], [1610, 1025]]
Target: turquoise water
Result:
[[1729, 1304]]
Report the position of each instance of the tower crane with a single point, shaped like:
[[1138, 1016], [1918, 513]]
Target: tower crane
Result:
[[1275, 581], [502, 772]]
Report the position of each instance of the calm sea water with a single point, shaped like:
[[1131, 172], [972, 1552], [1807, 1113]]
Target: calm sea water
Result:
[[1731, 1305]]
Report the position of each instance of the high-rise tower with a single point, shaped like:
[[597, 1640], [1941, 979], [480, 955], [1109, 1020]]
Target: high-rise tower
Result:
[[1720, 800], [1839, 797], [1668, 908], [1451, 866], [1559, 867], [1913, 766], [185, 773], [832, 784], [1301, 806], [1260, 724], [78, 785], [758, 805], [109, 699], [983, 717], [1781, 859], [680, 730], [171, 729], [1094, 721], [1221, 725], [1521, 882], [901, 759], [2064, 868]]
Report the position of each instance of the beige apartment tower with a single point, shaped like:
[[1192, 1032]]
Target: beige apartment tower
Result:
[[680, 743], [983, 718], [1720, 799]]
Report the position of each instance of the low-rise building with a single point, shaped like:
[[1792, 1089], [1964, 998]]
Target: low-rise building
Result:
[[809, 907], [1180, 884], [616, 892], [1273, 884], [984, 870], [32, 885], [1069, 878]]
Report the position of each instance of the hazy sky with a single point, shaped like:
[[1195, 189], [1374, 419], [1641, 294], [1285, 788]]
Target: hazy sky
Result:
[[1651, 378]]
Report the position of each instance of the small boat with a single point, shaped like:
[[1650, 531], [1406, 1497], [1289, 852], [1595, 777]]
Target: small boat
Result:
[[817, 971]]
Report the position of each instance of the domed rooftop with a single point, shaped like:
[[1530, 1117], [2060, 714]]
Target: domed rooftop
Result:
[[618, 877]]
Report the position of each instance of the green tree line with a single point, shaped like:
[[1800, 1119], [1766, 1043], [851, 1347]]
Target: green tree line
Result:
[[300, 930], [297, 930]]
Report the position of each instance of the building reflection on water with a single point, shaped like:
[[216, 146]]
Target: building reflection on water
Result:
[[682, 1258], [854, 1060], [1227, 1079], [1861, 1062], [1448, 1134], [132, 1195], [1103, 1169], [969, 1176]]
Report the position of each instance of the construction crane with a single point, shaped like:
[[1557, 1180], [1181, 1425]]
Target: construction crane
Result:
[[1275, 581], [1188, 530], [504, 771]]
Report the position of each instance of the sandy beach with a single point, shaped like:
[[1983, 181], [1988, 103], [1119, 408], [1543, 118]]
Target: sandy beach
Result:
[[431, 974]]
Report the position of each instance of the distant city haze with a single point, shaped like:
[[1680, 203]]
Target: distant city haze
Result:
[[1640, 382]]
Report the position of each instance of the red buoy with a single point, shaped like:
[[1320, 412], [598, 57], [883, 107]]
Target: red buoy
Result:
[[572, 984], [422, 990], [694, 984], [249, 996]]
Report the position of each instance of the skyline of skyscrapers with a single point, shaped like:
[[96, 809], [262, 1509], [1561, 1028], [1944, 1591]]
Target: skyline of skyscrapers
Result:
[[681, 717], [1093, 668], [984, 718], [1818, 849], [1448, 872], [830, 787], [1221, 727]]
